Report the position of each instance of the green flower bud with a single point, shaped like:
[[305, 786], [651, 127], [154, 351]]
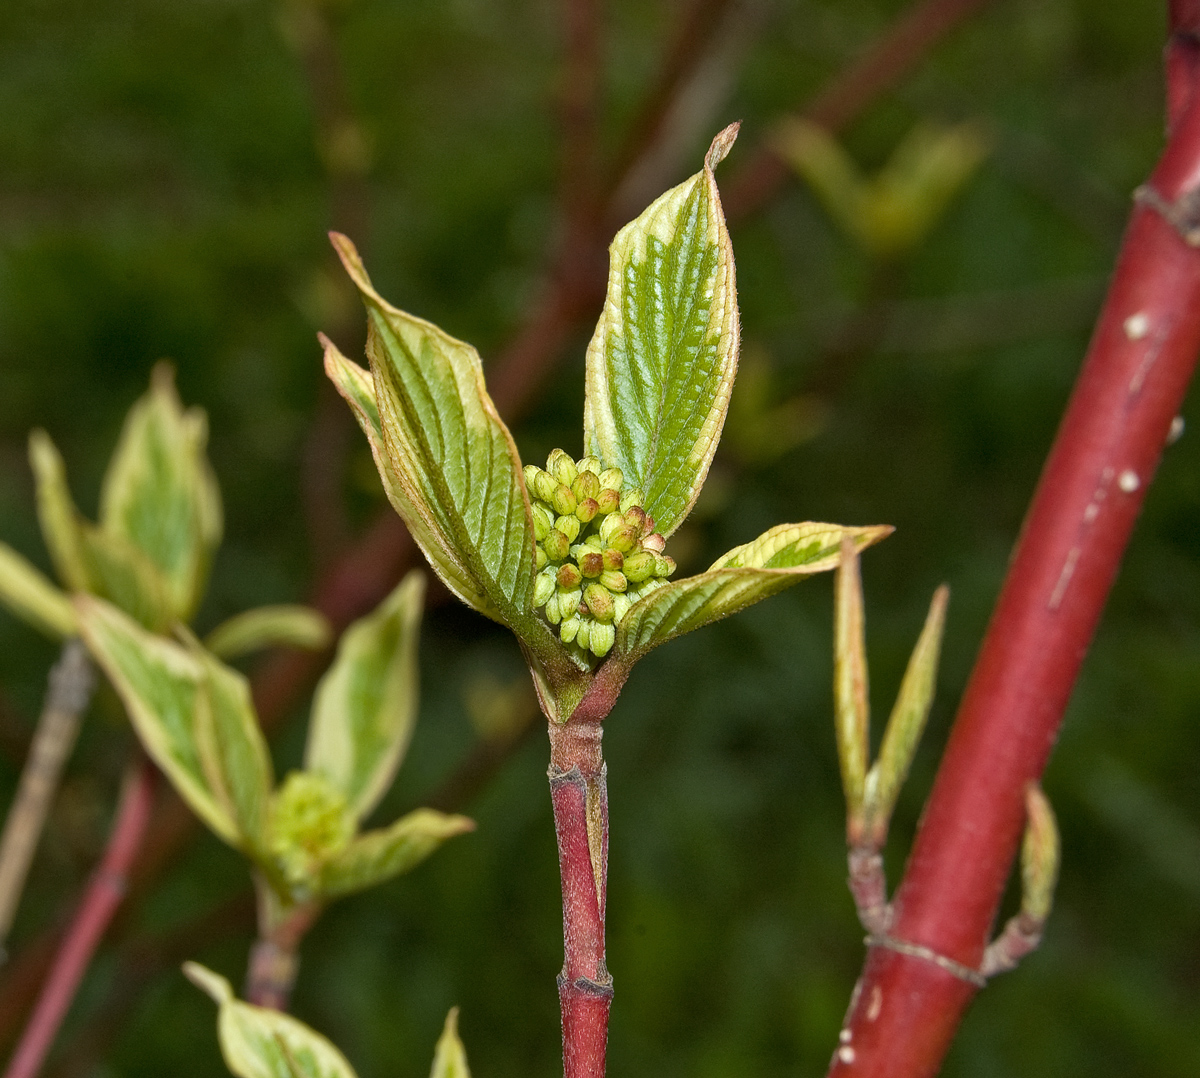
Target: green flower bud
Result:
[[599, 601], [601, 640], [562, 467], [563, 500], [539, 558], [664, 565], [556, 545], [636, 518], [591, 564], [655, 543], [621, 605], [309, 822], [631, 498], [607, 501], [569, 526], [624, 538], [614, 580], [639, 566], [609, 525], [543, 485], [586, 485], [568, 629], [613, 558], [589, 464], [553, 614], [583, 634], [568, 602], [530, 472], [543, 588], [612, 478], [586, 509], [569, 576], [543, 521]]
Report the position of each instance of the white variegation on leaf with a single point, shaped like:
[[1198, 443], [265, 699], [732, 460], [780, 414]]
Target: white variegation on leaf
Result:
[[366, 704], [28, 594], [774, 561], [261, 1043], [282, 625], [661, 364], [378, 855], [450, 456]]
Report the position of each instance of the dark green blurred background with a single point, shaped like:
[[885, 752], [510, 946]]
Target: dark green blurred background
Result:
[[161, 194]]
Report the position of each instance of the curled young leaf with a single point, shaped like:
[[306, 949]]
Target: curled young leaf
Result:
[[261, 1043], [160, 684], [661, 364], [450, 1057], [284, 625], [746, 575], [60, 520], [366, 704], [160, 495], [379, 855], [450, 455], [32, 598]]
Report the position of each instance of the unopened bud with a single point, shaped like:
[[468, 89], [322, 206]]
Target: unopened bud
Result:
[[530, 472], [631, 498], [586, 509], [543, 521], [568, 629], [613, 558], [621, 605], [614, 580], [539, 558], [563, 500], [607, 501], [586, 485], [556, 545], [543, 485], [601, 640], [599, 602], [552, 612], [623, 538], [664, 565], [612, 478], [655, 543], [639, 566], [583, 634], [589, 464], [609, 525], [591, 564], [543, 588], [569, 526], [569, 576], [562, 467], [568, 602], [636, 518]]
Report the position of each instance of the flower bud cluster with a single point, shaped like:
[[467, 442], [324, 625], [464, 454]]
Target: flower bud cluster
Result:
[[596, 548]]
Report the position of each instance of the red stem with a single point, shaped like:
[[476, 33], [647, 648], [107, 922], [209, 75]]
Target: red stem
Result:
[[95, 911], [906, 1007]]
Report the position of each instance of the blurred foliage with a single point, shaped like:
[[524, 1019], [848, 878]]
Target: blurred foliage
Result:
[[162, 195]]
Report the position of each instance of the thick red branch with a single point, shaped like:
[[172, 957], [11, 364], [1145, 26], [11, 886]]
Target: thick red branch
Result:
[[908, 1006]]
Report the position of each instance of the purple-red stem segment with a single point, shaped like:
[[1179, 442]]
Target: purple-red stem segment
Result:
[[906, 1008]]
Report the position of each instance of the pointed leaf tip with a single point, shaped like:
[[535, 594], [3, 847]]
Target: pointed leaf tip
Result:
[[450, 1058], [721, 145], [210, 983]]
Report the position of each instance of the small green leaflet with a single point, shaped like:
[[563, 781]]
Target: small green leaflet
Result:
[[774, 561], [282, 625], [366, 704], [31, 597], [661, 364], [57, 514], [450, 1057], [260, 1043], [450, 454]]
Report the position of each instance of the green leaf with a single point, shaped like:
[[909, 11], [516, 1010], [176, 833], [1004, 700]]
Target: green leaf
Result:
[[451, 458], [232, 750], [450, 1057], [121, 573], [284, 625], [60, 520], [159, 493], [379, 855], [661, 364], [852, 716], [260, 1043], [32, 598], [774, 561], [160, 684], [366, 704]]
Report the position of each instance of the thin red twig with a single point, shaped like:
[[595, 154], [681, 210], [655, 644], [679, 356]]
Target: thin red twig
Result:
[[908, 1003], [95, 911]]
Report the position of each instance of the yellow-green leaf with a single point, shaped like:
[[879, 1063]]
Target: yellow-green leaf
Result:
[[774, 561], [451, 456], [31, 597], [379, 855], [661, 364], [160, 684], [122, 573], [283, 625], [366, 704], [60, 520], [159, 493], [450, 1057], [261, 1043]]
